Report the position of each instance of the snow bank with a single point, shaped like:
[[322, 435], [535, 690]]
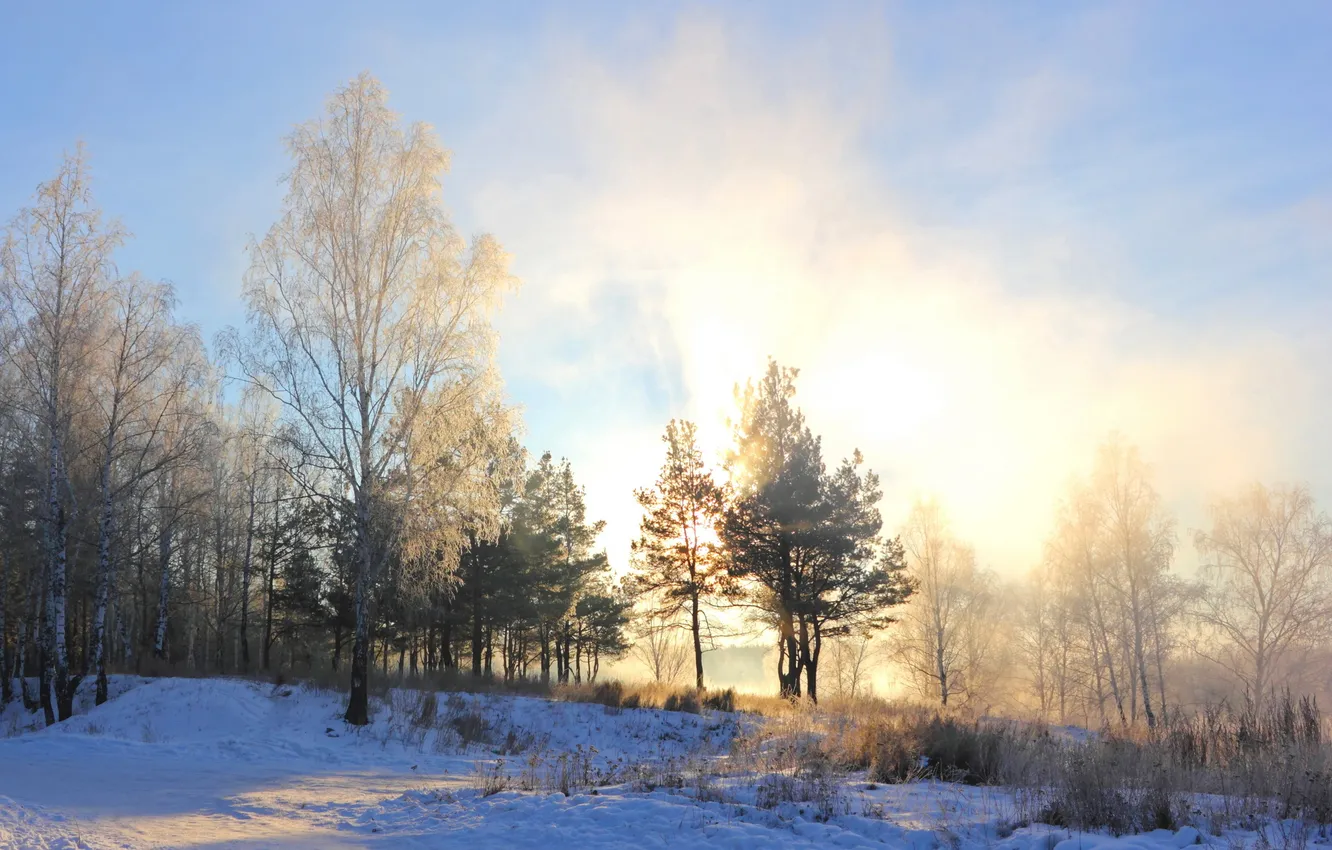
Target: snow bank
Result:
[[227, 762]]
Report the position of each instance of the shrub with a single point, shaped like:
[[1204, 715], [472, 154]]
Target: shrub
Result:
[[720, 700], [686, 701], [491, 779], [1115, 784], [471, 726], [609, 694]]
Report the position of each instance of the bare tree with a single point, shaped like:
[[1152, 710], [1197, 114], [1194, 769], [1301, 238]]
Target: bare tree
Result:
[[1077, 566], [850, 663], [369, 327], [56, 268], [1138, 540], [659, 648], [1048, 642], [1268, 563], [148, 364], [1108, 562], [941, 642]]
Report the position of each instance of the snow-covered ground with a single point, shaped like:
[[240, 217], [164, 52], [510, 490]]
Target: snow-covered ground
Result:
[[228, 763]]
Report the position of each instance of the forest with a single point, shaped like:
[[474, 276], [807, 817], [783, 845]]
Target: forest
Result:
[[341, 485]]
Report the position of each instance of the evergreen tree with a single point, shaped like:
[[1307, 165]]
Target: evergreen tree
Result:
[[676, 559], [801, 544]]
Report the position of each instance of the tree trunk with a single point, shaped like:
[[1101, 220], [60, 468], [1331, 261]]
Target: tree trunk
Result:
[[788, 675], [358, 705], [30, 704], [698, 638], [245, 585], [270, 578], [163, 592], [544, 637], [106, 528], [446, 637], [59, 591], [812, 664], [1140, 659], [6, 682], [476, 614]]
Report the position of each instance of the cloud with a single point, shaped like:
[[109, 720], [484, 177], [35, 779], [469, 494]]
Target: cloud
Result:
[[682, 213]]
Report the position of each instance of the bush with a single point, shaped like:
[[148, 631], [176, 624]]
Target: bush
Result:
[[1115, 785], [965, 753], [471, 726], [609, 694], [686, 702], [720, 700], [903, 745]]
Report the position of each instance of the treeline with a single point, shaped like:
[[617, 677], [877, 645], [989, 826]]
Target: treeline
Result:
[[343, 483], [1104, 632]]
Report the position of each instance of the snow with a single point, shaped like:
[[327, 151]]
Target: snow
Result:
[[231, 763]]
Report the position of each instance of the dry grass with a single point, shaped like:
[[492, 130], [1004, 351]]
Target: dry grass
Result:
[[1218, 769]]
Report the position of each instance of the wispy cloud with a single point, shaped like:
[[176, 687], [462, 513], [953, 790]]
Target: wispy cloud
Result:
[[684, 211]]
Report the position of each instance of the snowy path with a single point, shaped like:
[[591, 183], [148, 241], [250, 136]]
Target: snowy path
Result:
[[113, 794], [217, 763]]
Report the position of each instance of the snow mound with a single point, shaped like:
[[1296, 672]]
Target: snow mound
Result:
[[177, 710]]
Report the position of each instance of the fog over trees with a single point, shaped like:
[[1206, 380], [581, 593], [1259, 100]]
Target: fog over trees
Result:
[[341, 485]]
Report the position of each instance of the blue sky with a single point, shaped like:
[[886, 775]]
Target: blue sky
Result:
[[989, 233]]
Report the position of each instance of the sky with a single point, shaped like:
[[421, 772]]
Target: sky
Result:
[[988, 234]]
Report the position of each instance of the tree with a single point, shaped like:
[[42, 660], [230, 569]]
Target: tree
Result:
[[849, 665], [1138, 540], [658, 646], [148, 366], [1109, 558], [369, 327], [1268, 564], [943, 641], [676, 558], [1047, 642], [773, 503], [802, 546], [600, 617], [853, 581], [56, 267]]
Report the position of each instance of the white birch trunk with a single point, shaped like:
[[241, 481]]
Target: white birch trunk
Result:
[[163, 591]]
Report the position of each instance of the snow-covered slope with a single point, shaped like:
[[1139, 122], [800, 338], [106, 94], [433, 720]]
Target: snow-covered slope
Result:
[[230, 763]]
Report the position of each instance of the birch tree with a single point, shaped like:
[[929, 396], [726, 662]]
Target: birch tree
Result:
[[941, 642], [148, 365], [1268, 565], [368, 321], [56, 269], [1138, 545]]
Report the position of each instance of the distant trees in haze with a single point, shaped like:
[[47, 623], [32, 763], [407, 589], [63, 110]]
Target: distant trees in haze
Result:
[[1098, 624], [1268, 574], [945, 637]]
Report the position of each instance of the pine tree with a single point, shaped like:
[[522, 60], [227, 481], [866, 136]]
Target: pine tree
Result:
[[676, 559], [802, 545]]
